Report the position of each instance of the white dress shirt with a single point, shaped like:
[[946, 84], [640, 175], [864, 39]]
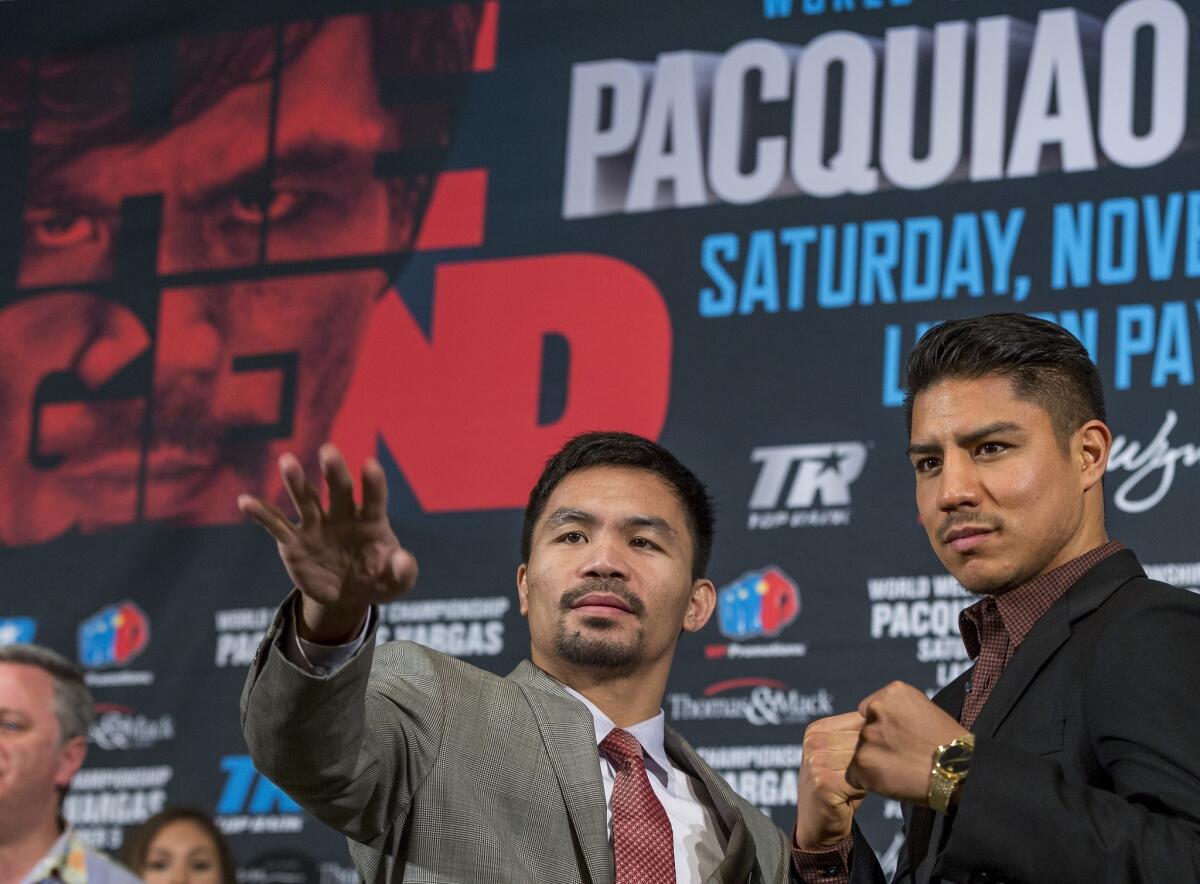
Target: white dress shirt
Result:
[[699, 837]]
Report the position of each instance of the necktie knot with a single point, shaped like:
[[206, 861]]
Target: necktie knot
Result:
[[623, 748]]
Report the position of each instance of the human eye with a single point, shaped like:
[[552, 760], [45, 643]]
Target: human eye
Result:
[[61, 227], [644, 543], [991, 448], [276, 206], [12, 725], [926, 464], [572, 537]]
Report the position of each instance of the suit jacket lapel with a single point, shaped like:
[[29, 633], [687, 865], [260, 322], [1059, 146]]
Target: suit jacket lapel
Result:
[[738, 863], [1049, 634], [570, 739]]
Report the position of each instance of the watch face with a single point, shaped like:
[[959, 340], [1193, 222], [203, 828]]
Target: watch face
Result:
[[955, 759]]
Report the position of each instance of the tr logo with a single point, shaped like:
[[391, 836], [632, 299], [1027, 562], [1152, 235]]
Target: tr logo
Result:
[[821, 475]]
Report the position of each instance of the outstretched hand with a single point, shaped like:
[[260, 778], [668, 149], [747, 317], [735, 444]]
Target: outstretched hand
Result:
[[344, 559]]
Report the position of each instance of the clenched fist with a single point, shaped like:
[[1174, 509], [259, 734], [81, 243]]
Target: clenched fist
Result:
[[902, 728], [825, 800]]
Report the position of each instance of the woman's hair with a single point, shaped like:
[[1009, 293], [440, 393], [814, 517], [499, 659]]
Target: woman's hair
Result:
[[137, 843]]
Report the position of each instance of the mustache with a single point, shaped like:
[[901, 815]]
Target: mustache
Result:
[[608, 585], [969, 520]]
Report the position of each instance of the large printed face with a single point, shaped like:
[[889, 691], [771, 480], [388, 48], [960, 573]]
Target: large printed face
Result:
[[242, 367], [1000, 499], [34, 764], [608, 583]]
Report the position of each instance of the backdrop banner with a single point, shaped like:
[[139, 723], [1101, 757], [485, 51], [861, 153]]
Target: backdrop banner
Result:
[[455, 234]]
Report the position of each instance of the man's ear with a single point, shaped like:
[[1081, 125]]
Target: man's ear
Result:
[[700, 605], [1093, 444], [523, 589], [70, 759]]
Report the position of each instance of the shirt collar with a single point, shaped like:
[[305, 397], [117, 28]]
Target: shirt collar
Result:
[[651, 733], [1020, 608], [65, 861]]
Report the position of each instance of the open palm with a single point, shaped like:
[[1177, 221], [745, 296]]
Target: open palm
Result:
[[343, 559]]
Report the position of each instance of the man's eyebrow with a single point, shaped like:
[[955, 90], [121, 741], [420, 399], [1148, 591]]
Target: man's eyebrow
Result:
[[567, 516], [653, 523], [966, 439], [307, 157]]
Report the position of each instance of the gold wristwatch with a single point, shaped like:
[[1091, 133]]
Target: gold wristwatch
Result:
[[950, 764]]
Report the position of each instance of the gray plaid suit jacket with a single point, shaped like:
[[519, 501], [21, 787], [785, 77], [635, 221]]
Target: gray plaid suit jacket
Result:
[[440, 772]]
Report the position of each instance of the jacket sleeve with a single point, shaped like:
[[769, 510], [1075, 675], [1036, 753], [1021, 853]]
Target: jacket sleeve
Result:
[[352, 748], [1022, 819]]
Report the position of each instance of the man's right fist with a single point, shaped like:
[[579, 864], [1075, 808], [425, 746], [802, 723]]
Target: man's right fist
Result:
[[825, 801]]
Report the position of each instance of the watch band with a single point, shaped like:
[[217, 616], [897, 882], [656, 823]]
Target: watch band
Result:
[[943, 783]]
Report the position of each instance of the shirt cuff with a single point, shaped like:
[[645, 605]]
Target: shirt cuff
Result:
[[829, 865], [320, 660]]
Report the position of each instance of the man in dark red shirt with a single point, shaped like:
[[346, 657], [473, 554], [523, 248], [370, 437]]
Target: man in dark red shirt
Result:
[[1069, 751]]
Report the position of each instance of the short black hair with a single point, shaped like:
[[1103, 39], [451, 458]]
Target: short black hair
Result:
[[1047, 365], [626, 450]]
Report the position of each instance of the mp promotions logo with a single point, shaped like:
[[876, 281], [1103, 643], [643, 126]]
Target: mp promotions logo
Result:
[[759, 604], [112, 638], [804, 485]]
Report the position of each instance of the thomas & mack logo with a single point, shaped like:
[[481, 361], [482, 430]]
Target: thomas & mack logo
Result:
[[759, 604], [804, 485], [120, 727], [760, 701]]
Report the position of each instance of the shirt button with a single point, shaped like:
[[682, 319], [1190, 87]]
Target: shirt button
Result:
[[967, 687], [831, 871], [320, 671]]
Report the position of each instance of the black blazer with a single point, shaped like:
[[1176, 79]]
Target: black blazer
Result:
[[1087, 755]]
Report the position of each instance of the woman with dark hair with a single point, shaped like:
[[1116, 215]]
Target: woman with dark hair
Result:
[[179, 844]]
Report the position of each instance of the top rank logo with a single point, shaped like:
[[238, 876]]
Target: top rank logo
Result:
[[805, 485]]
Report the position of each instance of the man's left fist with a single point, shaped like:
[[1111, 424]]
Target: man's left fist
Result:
[[895, 748]]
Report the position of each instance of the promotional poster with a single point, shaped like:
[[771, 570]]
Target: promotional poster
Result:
[[454, 234]]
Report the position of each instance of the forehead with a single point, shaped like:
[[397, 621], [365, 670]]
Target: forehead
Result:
[[957, 405], [26, 688], [617, 491], [183, 834], [225, 139]]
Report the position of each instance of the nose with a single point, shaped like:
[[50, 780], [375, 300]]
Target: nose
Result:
[[606, 559], [958, 485]]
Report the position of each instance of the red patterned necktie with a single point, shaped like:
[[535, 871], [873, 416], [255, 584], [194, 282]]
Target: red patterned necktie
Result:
[[642, 842]]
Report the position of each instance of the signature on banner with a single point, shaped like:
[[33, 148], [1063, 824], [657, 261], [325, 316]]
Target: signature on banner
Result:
[[1159, 457]]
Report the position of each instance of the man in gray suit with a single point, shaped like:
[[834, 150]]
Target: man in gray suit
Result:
[[440, 772]]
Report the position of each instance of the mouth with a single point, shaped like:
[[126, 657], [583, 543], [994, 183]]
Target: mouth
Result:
[[966, 537], [599, 604]]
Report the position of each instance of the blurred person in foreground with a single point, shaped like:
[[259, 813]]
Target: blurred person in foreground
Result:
[[179, 844], [45, 711], [562, 772], [1068, 752]]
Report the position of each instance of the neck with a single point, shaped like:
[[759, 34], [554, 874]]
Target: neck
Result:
[[23, 847], [626, 697]]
